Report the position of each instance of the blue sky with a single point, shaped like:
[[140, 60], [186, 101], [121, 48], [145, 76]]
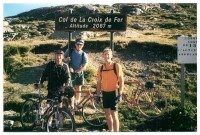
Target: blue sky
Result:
[[10, 9], [14, 7]]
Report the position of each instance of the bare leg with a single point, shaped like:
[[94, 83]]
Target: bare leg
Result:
[[78, 94], [72, 102], [115, 118], [109, 119]]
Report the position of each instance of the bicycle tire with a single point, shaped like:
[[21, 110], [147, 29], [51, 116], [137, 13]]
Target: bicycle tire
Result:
[[147, 107], [60, 121], [28, 114], [93, 113]]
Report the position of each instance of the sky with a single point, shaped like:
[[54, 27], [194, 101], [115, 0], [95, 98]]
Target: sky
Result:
[[14, 7]]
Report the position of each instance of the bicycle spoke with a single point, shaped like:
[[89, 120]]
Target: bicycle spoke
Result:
[[151, 103], [60, 122], [93, 112], [28, 114]]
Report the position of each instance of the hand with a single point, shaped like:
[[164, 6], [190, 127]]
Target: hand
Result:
[[68, 59], [118, 99], [71, 69]]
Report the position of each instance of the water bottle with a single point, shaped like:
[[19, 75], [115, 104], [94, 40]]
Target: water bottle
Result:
[[41, 111], [46, 107]]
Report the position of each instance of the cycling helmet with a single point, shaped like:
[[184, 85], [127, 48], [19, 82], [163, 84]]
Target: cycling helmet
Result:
[[69, 92], [149, 85]]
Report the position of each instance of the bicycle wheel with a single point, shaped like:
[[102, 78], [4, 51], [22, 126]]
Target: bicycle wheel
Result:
[[60, 121], [93, 113], [152, 103], [29, 114]]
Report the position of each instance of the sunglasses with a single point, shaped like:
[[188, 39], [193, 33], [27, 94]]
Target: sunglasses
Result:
[[80, 44]]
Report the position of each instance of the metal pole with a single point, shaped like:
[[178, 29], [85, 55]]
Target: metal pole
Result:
[[70, 35], [111, 41], [182, 85], [111, 36]]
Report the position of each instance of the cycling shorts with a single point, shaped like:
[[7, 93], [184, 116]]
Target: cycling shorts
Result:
[[109, 99], [77, 78]]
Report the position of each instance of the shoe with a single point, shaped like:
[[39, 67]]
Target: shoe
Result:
[[73, 113], [50, 124]]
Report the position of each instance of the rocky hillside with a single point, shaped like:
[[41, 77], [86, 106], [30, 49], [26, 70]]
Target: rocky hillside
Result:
[[48, 13], [148, 47], [181, 18]]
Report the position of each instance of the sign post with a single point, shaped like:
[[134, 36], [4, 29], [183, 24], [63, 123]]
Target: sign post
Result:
[[111, 37], [70, 36], [182, 85], [187, 54], [90, 22]]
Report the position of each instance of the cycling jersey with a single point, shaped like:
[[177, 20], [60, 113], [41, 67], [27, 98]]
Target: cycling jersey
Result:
[[57, 75], [109, 80]]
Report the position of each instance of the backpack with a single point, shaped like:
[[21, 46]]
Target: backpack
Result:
[[114, 68]]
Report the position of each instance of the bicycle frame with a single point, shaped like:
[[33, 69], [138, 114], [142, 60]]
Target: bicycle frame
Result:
[[54, 104], [149, 100], [133, 100], [40, 119], [87, 95]]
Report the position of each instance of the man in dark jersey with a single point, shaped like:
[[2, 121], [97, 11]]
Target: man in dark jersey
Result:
[[56, 73]]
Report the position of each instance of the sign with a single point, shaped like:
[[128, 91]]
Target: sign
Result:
[[187, 50], [91, 22]]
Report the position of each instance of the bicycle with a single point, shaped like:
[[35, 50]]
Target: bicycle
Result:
[[46, 114], [92, 110], [147, 97]]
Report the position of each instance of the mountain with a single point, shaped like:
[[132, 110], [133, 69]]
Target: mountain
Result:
[[47, 13], [180, 18], [147, 48]]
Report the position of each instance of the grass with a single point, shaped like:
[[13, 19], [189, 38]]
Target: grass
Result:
[[24, 61], [17, 87]]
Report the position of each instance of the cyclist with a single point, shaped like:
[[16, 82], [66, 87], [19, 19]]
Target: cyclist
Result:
[[78, 61], [57, 74], [111, 83]]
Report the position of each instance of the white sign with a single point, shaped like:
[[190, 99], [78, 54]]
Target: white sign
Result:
[[187, 50]]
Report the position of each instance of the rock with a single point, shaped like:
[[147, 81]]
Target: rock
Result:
[[8, 123]]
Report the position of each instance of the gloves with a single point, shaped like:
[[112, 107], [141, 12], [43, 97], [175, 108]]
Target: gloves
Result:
[[118, 99]]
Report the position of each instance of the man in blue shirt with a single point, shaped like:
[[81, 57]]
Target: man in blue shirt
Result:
[[78, 61]]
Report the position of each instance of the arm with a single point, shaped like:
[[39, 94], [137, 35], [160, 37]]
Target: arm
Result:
[[68, 83], [98, 86], [120, 79], [44, 74], [121, 85], [84, 64], [67, 58], [82, 68]]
